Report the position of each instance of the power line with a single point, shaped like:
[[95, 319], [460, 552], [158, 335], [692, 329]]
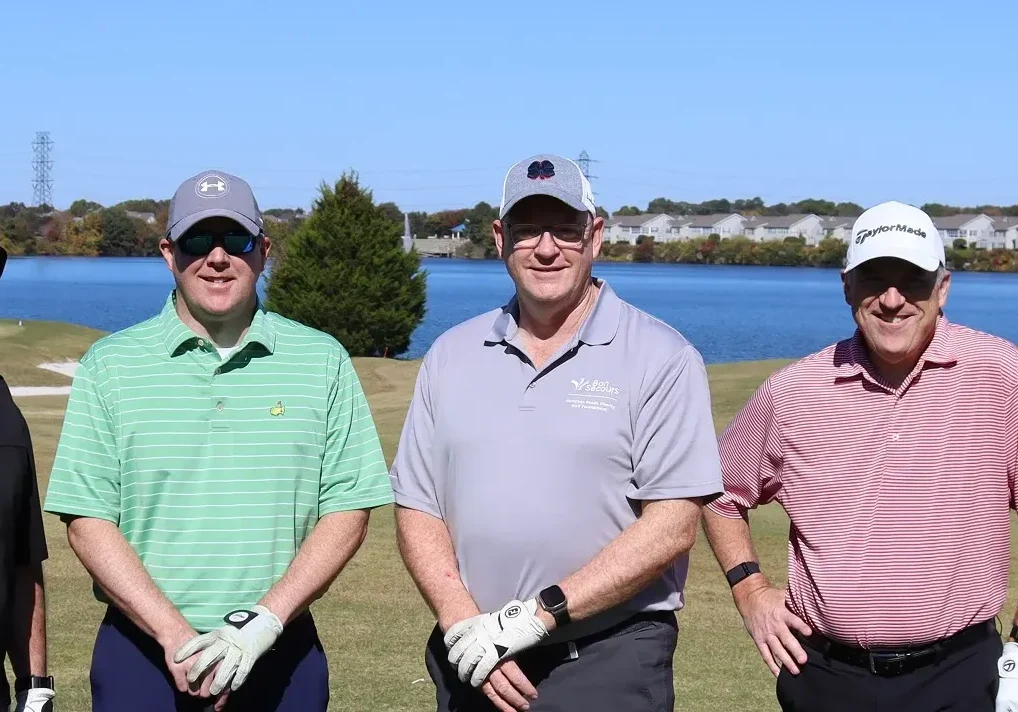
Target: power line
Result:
[[43, 181]]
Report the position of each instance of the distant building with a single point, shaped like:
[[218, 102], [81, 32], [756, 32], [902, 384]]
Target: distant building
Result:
[[149, 218], [778, 227]]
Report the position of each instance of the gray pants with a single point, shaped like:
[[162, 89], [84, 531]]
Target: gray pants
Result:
[[625, 669]]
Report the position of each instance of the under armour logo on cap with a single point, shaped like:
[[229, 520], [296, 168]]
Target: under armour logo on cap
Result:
[[211, 186], [540, 170]]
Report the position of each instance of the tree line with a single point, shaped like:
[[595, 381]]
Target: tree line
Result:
[[88, 228]]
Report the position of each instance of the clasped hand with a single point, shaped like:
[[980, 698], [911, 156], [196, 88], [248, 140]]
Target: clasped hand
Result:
[[479, 643]]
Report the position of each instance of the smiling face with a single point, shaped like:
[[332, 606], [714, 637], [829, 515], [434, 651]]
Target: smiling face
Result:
[[896, 305], [548, 269], [216, 286]]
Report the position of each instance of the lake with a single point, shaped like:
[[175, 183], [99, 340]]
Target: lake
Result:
[[728, 313]]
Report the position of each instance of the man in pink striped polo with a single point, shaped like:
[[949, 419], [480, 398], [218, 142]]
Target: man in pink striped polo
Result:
[[895, 455]]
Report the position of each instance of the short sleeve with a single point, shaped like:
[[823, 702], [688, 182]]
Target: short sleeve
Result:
[[354, 475], [85, 480], [412, 472], [751, 457], [675, 450], [30, 547]]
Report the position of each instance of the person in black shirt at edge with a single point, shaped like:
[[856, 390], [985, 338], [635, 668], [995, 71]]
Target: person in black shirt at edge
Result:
[[22, 551]]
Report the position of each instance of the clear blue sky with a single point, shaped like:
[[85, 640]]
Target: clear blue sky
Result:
[[431, 101]]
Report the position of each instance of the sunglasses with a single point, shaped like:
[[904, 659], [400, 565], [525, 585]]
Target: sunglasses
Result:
[[570, 234], [233, 243]]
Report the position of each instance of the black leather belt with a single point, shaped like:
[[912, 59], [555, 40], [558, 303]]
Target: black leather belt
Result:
[[891, 662], [569, 649]]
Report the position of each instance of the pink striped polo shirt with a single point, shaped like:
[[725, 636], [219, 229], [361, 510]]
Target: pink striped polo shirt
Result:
[[899, 500]]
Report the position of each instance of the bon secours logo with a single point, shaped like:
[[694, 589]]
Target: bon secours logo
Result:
[[595, 386]]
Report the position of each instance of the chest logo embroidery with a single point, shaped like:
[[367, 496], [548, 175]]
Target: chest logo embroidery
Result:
[[277, 409]]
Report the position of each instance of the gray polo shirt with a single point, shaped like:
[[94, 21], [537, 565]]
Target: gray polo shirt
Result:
[[535, 472]]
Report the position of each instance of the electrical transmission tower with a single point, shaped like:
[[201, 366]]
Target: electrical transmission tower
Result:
[[42, 163], [584, 162]]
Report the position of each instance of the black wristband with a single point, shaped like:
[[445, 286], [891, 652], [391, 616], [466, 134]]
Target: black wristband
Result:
[[741, 571], [1014, 632], [32, 682]]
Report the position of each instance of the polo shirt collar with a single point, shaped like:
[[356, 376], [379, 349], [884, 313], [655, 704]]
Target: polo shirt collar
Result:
[[598, 328], [854, 359], [176, 333]]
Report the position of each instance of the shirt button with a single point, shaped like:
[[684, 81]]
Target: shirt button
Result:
[[531, 385], [218, 371], [201, 342], [895, 437], [219, 406]]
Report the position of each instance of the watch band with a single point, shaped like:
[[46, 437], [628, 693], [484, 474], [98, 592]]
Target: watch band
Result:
[[33, 682], [741, 571], [558, 611], [1014, 632]]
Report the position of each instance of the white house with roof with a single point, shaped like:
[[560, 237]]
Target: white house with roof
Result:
[[840, 228], [977, 230], [626, 228], [1005, 232], [723, 224], [778, 227]]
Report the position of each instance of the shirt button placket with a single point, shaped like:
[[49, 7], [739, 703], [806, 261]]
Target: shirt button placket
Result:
[[527, 401]]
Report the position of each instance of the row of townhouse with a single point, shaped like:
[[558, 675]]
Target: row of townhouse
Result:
[[981, 231]]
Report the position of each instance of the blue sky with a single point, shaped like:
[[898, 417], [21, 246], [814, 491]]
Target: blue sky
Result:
[[431, 101]]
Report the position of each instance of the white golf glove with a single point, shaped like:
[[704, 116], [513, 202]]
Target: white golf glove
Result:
[[38, 699], [239, 643], [476, 645], [1007, 667]]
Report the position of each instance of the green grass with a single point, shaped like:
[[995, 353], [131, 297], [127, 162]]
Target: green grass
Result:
[[23, 348], [373, 622]]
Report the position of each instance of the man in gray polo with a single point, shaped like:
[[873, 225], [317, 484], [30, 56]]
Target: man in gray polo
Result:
[[550, 475]]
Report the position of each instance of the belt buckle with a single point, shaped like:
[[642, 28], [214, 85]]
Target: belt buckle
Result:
[[895, 663]]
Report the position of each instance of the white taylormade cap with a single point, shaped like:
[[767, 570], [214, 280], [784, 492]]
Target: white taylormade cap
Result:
[[894, 229]]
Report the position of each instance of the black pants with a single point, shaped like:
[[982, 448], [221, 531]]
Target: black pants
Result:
[[963, 680], [625, 669], [129, 673]]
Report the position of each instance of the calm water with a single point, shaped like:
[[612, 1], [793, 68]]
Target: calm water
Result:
[[729, 313]]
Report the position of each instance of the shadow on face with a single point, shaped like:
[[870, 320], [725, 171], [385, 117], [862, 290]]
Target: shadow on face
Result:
[[896, 306], [216, 265], [548, 248]]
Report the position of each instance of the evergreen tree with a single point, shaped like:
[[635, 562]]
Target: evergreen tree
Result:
[[346, 273]]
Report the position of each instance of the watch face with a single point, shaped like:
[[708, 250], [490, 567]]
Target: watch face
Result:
[[553, 597]]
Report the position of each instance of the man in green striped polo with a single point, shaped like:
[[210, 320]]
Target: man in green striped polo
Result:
[[216, 470]]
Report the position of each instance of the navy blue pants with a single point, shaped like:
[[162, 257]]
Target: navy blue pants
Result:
[[129, 673]]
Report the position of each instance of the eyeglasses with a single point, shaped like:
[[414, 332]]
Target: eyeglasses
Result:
[[202, 243], [565, 235]]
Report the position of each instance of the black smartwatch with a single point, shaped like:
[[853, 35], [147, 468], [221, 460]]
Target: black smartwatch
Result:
[[33, 682], [741, 571], [553, 600]]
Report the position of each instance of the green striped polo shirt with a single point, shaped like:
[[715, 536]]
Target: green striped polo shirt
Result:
[[215, 470]]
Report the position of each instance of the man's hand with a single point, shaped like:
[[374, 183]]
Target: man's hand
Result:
[[769, 622], [235, 646], [178, 670], [508, 688], [476, 645], [39, 699], [1007, 668]]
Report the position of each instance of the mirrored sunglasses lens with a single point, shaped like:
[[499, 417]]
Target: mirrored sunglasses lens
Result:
[[238, 244], [197, 244]]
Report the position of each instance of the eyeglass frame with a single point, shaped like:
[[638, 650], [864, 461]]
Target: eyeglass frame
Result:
[[584, 237]]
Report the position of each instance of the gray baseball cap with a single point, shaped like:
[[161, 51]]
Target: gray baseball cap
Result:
[[547, 174], [213, 194]]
